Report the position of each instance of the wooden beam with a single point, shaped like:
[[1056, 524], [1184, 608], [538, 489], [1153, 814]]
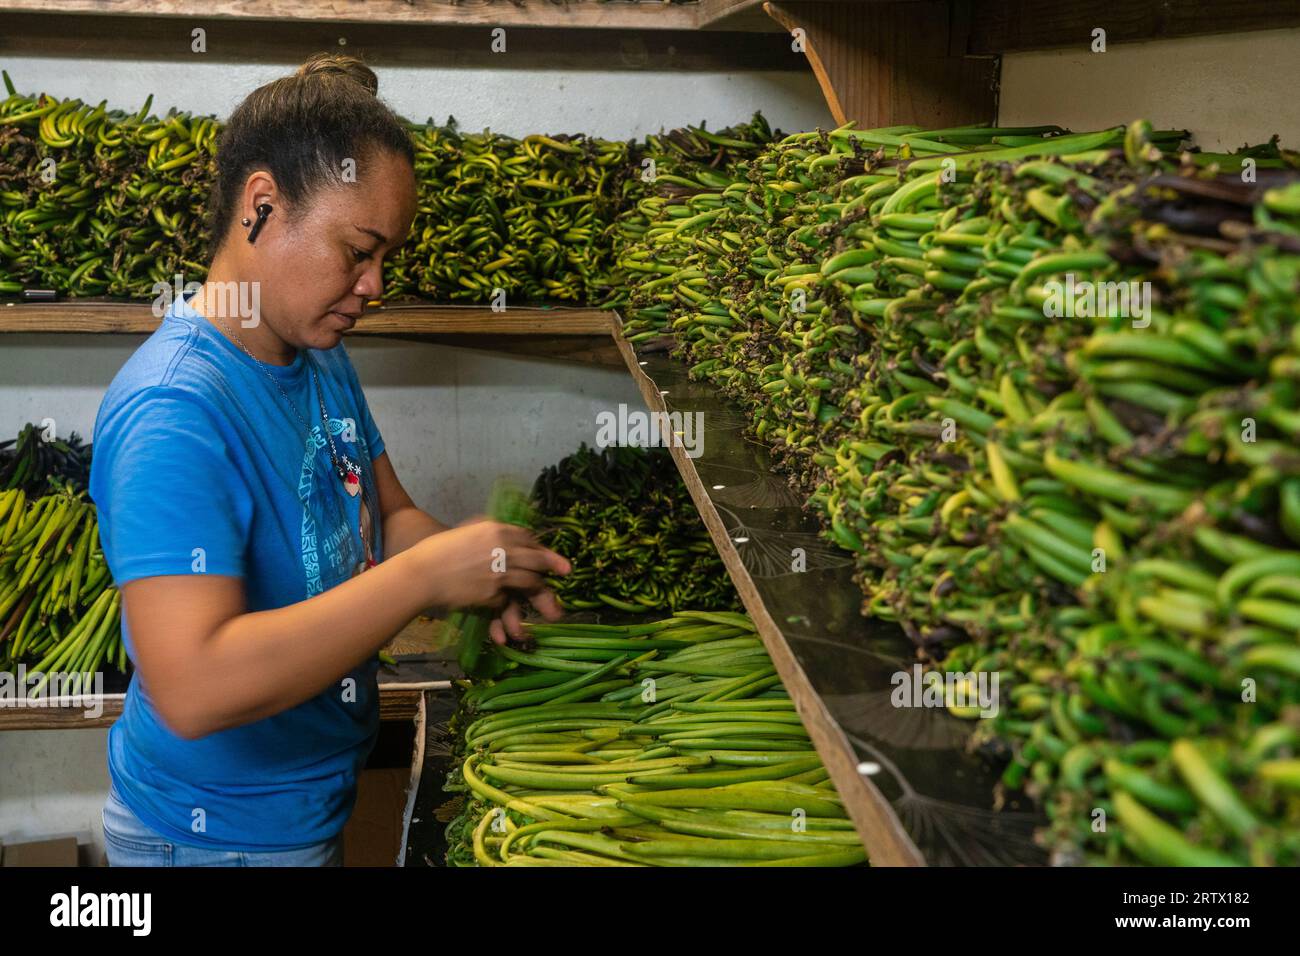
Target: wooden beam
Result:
[[578, 335], [394, 705], [66, 717], [884, 64], [99, 316], [528, 13], [455, 45], [1004, 26]]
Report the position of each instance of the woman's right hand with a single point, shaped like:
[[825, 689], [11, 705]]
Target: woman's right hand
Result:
[[479, 562]]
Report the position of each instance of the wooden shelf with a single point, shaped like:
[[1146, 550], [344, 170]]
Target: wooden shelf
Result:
[[530, 13], [884, 838], [990, 27], [102, 316], [61, 716], [745, 15], [745, 42], [422, 669], [395, 704], [581, 335], [913, 789]]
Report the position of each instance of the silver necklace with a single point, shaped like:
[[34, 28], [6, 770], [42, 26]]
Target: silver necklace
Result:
[[348, 471]]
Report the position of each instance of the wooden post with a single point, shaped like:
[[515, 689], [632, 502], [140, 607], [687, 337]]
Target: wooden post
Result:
[[885, 64]]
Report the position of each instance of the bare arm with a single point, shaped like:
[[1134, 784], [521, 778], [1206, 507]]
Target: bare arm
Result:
[[210, 664]]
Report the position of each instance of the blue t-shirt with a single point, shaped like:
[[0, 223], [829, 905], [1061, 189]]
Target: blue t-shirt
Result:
[[200, 466]]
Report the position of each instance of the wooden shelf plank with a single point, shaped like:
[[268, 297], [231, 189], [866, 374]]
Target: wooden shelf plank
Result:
[[881, 833], [100, 316], [65, 717], [747, 42], [401, 703], [996, 26], [913, 789], [530, 13]]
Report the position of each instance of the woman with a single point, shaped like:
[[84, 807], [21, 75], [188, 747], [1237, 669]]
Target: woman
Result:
[[243, 488]]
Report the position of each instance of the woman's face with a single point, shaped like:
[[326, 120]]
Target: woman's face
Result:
[[319, 270]]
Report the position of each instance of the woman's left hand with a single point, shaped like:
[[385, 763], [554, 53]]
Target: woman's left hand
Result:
[[405, 526], [511, 621]]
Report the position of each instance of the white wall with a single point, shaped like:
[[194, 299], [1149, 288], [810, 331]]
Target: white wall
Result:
[[606, 103], [452, 418], [53, 784], [1228, 90]]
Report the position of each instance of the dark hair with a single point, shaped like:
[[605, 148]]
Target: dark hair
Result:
[[300, 128]]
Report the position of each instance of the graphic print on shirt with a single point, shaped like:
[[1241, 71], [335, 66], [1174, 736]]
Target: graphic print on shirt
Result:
[[329, 555], [306, 484]]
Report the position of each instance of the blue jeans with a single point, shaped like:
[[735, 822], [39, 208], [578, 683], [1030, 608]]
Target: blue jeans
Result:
[[131, 843]]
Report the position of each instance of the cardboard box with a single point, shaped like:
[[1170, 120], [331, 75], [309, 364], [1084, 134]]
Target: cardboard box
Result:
[[60, 852], [373, 835]]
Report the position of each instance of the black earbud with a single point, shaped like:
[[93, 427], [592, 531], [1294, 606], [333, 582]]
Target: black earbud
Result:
[[263, 211]]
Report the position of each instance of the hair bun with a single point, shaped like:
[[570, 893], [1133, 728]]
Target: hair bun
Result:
[[338, 64]]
